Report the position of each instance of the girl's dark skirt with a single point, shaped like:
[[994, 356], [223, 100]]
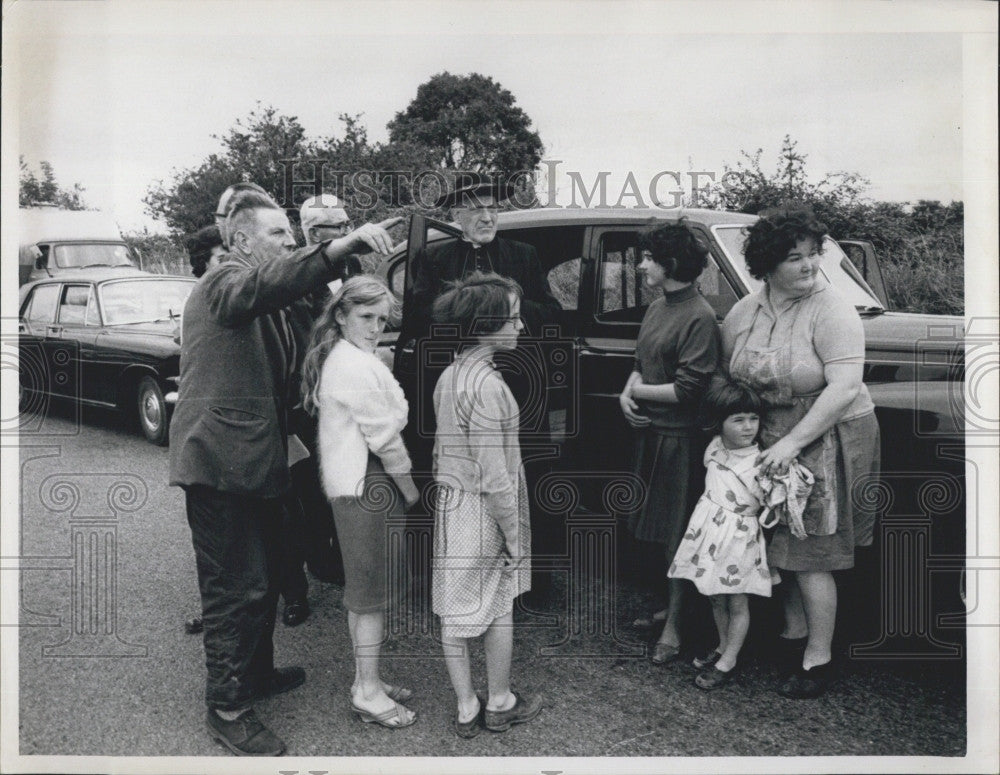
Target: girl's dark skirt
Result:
[[363, 531]]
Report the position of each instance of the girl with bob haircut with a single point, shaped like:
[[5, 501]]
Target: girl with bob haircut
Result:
[[677, 352], [482, 536], [365, 472], [722, 551]]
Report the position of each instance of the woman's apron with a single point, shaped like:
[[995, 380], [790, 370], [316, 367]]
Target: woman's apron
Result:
[[768, 372]]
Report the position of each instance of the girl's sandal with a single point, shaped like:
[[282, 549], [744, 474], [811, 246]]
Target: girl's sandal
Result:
[[391, 719]]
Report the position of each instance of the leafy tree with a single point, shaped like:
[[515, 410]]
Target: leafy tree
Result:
[[35, 190], [475, 127], [252, 151], [469, 123]]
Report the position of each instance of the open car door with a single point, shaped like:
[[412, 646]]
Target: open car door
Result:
[[417, 239], [418, 381]]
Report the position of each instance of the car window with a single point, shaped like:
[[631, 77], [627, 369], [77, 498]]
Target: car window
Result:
[[833, 264], [92, 254], [143, 301], [397, 278], [624, 295], [564, 280], [73, 306], [41, 309], [716, 289], [93, 316]]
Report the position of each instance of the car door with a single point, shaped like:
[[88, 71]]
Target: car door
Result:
[[614, 299], [77, 327], [37, 371]]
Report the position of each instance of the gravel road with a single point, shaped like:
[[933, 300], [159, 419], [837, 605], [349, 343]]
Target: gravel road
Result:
[[123, 679]]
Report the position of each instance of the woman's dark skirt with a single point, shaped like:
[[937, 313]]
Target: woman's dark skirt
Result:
[[670, 464]]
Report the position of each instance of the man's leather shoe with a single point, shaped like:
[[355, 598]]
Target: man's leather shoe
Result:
[[244, 735], [282, 680], [295, 613]]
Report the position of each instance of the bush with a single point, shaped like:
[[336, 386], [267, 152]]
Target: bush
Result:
[[926, 273], [920, 248], [159, 253]]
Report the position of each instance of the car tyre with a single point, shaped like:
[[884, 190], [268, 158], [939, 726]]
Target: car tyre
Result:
[[152, 411]]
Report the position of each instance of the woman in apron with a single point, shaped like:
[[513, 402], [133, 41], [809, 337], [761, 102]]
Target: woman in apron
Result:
[[801, 347]]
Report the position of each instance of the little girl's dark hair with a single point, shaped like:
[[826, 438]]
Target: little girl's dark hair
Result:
[[726, 397]]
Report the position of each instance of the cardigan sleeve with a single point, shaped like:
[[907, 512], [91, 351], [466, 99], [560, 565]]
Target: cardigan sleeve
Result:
[[485, 414], [377, 405]]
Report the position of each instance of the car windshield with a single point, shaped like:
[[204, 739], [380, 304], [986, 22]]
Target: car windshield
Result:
[[835, 266], [143, 301], [92, 254]]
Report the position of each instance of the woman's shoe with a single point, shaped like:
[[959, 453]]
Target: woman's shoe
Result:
[[664, 653], [525, 708], [807, 684], [649, 622], [713, 678], [706, 660]]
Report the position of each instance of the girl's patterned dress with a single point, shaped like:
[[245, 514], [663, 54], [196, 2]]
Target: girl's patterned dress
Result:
[[723, 551]]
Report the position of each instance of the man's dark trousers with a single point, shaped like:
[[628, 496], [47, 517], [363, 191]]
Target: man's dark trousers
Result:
[[236, 540]]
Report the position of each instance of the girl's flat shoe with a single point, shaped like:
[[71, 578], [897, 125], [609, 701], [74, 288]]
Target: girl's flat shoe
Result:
[[706, 660], [713, 678], [664, 653], [471, 728]]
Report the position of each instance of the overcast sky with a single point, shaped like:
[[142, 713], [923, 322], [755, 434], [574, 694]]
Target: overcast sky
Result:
[[117, 95]]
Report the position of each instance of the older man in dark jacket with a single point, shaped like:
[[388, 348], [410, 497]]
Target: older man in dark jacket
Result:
[[229, 450]]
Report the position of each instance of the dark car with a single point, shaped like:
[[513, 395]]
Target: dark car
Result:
[[103, 337], [915, 371]]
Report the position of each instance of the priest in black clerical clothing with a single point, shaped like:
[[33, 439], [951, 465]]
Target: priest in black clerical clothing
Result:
[[473, 205]]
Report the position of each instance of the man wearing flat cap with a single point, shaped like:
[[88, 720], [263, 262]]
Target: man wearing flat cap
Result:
[[473, 205]]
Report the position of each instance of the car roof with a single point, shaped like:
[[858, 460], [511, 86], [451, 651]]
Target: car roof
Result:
[[97, 274], [51, 224], [596, 215]]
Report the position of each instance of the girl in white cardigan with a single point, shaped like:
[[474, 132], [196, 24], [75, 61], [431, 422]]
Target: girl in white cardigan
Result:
[[365, 471]]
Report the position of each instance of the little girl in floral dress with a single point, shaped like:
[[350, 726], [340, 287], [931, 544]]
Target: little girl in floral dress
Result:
[[723, 549]]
